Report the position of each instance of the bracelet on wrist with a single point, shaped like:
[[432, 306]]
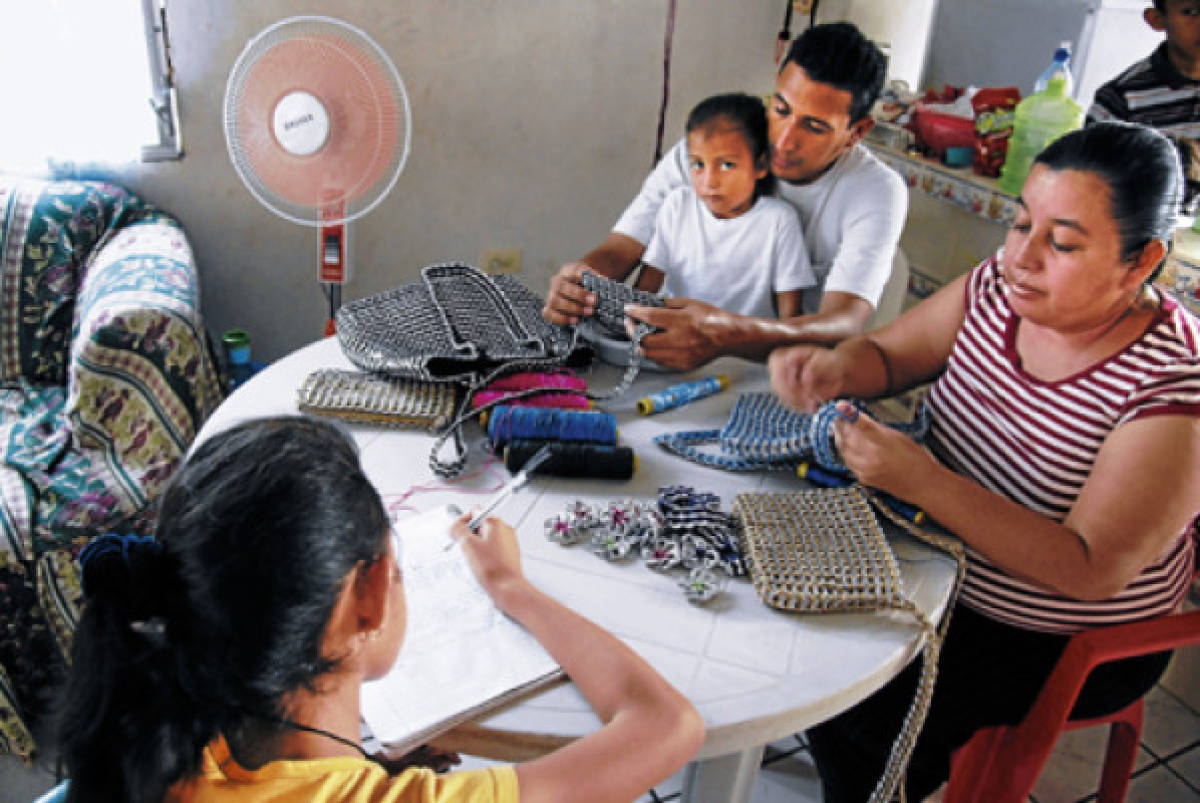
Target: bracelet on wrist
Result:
[[889, 381]]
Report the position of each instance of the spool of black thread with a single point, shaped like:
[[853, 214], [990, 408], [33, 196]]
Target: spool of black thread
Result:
[[571, 459]]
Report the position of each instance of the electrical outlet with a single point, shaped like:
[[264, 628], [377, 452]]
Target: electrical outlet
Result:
[[501, 260]]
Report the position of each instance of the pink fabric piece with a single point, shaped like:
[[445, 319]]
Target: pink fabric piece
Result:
[[564, 401], [527, 380]]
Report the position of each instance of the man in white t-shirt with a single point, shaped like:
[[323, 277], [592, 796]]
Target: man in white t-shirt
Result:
[[851, 207]]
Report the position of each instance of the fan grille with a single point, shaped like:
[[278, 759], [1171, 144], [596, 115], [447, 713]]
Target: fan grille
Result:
[[369, 120]]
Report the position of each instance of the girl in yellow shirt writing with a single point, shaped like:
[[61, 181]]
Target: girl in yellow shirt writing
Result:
[[222, 660]]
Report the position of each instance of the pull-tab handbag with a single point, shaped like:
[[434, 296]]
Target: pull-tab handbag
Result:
[[458, 324], [605, 329], [823, 551], [764, 433]]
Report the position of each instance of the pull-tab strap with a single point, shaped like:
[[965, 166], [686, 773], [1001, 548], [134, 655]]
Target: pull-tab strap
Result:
[[914, 719], [448, 469], [948, 544], [441, 281], [635, 364], [685, 445]]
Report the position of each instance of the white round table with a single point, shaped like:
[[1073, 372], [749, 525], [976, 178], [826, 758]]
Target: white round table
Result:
[[755, 674]]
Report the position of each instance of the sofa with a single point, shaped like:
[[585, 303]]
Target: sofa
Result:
[[106, 374]]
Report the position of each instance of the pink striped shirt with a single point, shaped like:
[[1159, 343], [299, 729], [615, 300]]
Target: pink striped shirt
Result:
[[1035, 442]]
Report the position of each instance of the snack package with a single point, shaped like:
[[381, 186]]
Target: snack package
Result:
[[993, 127]]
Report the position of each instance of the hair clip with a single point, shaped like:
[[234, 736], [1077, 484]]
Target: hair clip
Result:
[[611, 545], [582, 514], [685, 497], [695, 553], [620, 516], [701, 585], [563, 529], [153, 628], [670, 496], [649, 525], [661, 554], [685, 529], [732, 561]]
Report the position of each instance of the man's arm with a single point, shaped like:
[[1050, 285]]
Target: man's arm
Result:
[[695, 332], [788, 303], [616, 257]]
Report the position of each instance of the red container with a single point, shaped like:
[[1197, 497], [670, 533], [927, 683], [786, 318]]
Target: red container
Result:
[[993, 127], [938, 131]]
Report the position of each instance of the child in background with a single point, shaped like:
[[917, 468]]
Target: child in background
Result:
[[222, 660], [1163, 90], [727, 239]]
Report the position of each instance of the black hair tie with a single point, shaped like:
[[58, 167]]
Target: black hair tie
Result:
[[111, 543], [129, 547]]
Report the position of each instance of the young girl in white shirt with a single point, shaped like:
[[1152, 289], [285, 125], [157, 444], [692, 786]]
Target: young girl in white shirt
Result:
[[726, 239]]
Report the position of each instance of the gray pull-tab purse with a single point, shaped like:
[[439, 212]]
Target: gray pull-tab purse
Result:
[[457, 324]]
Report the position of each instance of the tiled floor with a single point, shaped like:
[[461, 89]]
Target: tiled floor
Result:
[[1167, 771]]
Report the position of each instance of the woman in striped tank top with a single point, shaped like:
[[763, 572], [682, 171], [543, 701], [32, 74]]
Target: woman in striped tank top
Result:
[[1065, 450]]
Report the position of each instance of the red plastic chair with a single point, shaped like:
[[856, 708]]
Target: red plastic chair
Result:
[[1003, 763]]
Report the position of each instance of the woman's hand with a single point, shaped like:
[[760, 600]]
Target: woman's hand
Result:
[[807, 376], [493, 554], [881, 457]]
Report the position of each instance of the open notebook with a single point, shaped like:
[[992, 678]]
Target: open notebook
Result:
[[461, 656]]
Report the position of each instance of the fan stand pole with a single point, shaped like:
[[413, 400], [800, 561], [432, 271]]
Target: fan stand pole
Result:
[[333, 259], [335, 302]]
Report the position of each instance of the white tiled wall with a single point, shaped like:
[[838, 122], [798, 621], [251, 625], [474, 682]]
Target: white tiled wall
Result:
[[943, 241]]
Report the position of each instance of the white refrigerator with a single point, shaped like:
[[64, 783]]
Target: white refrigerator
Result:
[[998, 42]]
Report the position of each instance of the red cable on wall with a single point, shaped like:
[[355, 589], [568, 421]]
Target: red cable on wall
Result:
[[666, 90]]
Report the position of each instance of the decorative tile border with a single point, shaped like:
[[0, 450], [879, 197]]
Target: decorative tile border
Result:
[[1181, 277], [981, 197], [922, 285], [958, 186]]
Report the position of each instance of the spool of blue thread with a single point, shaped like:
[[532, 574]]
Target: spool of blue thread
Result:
[[681, 394], [819, 476], [507, 423], [827, 479]]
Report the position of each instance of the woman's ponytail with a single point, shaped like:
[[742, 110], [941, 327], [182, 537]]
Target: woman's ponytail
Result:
[[127, 727]]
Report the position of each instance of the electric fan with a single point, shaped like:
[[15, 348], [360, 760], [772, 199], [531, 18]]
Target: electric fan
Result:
[[318, 126]]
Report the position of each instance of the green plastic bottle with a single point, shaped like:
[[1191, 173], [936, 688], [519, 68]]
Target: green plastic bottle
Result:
[[1039, 120]]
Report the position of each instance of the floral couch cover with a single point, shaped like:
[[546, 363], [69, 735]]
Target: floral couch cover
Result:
[[106, 374]]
